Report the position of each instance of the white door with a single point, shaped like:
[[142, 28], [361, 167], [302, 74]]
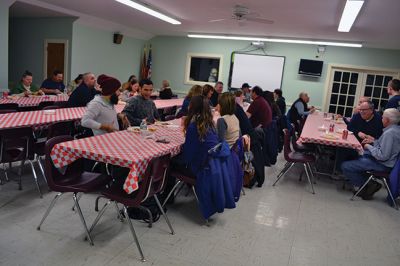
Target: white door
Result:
[[347, 85]]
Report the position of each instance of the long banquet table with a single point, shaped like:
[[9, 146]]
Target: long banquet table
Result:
[[35, 100], [311, 133], [38, 119], [122, 148]]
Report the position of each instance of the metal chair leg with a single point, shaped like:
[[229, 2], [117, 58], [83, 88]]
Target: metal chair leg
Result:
[[49, 209], [309, 179], [285, 167], [390, 194], [195, 195], [171, 192], [41, 168], [78, 198], [78, 208], [120, 216], [98, 217], [362, 187], [20, 174], [311, 172], [282, 173], [35, 177], [164, 214], [134, 234]]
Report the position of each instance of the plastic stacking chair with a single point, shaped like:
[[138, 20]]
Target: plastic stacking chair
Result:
[[382, 177], [74, 180], [56, 129], [293, 157], [152, 183], [300, 147], [16, 145]]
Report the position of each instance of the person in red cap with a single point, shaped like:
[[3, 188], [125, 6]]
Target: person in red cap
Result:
[[100, 115]]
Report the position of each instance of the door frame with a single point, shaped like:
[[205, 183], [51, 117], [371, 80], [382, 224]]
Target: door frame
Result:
[[351, 68], [66, 49]]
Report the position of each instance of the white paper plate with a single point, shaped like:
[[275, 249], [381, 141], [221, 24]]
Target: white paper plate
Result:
[[49, 112]]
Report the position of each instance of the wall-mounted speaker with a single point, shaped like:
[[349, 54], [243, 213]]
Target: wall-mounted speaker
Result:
[[118, 38]]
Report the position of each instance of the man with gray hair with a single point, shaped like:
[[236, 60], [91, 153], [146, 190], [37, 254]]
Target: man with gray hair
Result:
[[380, 155], [300, 108], [367, 122], [85, 92]]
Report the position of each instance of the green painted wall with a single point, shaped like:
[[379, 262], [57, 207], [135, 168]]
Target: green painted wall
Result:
[[4, 29], [169, 62], [93, 50], [26, 41]]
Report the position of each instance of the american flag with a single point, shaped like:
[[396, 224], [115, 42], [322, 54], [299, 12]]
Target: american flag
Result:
[[148, 67]]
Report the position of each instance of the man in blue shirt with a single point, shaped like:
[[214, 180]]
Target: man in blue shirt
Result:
[[393, 90], [53, 85], [380, 155], [367, 122], [85, 92]]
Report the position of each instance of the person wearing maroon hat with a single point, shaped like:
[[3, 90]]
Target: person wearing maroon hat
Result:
[[100, 115]]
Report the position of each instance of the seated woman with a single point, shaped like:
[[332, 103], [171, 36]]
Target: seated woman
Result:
[[208, 92], [196, 90], [228, 127], [130, 91]]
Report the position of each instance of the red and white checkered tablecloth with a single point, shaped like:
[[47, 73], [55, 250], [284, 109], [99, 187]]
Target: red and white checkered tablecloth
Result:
[[123, 148], [161, 104], [35, 100], [38, 119], [311, 134]]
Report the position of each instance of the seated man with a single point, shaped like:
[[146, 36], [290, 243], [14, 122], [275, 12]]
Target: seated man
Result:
[[366, 122], [300, 108], [53, 85], [165, 92], [85, 92], [100, 115], [380, 155], [25, 87], [393, 90], [246, 92], [219, 87], [141, 106], [259, 111]]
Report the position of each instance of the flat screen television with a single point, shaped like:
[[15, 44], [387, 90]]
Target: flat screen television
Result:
[[310, 67]]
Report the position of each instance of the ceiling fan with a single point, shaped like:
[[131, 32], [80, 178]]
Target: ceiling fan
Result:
[[242, 14]]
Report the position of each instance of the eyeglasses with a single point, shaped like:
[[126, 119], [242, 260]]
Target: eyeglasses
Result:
[[364, 110]]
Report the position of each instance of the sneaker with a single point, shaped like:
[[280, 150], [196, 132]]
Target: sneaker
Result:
[[371, 190]]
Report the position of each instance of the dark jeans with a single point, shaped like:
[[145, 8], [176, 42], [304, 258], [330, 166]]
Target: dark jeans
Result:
[[345, 154], [356, 170]]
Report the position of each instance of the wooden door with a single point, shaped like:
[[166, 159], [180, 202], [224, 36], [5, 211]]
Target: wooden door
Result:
[[55, 58]]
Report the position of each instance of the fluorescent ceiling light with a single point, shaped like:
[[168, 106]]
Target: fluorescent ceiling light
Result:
[[243, 38], [149, 11], [349, 15]]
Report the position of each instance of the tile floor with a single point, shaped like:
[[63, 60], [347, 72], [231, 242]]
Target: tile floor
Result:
[[282, 225]]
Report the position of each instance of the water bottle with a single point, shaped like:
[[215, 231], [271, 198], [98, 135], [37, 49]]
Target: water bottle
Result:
[[143, 125]]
